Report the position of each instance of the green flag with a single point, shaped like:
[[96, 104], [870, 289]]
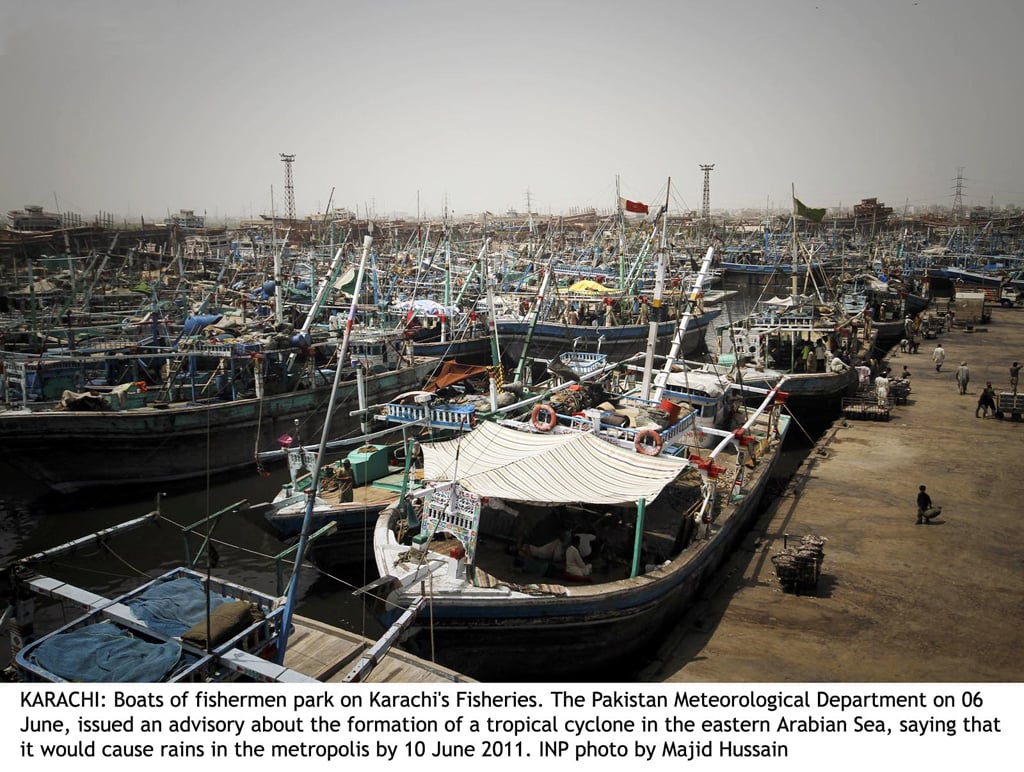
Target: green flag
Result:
[[817, 215]]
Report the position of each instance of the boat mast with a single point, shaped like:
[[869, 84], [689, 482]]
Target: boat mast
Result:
[[534, 315], [696, 292], [659, 288], [796, 253], [314, 485], [278, 293], [492, 326]]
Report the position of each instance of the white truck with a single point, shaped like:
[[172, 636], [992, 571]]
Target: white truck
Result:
[[1010, 296]]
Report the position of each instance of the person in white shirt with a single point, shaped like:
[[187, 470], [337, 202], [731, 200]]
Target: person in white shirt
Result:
[[574, 563]]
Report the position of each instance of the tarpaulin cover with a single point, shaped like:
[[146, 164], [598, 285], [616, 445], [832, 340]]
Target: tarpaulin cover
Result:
[[105, 653], [173, 607], [587, 287], [454, 372], [495, 460]]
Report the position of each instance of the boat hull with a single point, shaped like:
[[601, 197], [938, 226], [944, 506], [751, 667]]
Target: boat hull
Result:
[[70, 450], [466, 350]]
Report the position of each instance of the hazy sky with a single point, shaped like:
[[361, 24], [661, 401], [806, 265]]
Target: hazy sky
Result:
[[140, 108]]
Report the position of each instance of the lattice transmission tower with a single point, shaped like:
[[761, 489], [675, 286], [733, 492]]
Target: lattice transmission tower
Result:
[[705, 210], [958, 195], [289, 185]]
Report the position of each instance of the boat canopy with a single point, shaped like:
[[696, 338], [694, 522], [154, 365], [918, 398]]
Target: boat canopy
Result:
[[587, 287], [423, 307], [697, 381], [790, 301], [501, 462], [452, 373]]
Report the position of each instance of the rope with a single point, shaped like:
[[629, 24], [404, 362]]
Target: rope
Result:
[[125, 562]]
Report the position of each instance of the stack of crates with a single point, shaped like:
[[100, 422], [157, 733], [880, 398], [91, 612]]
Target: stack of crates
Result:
[[1010, 404]]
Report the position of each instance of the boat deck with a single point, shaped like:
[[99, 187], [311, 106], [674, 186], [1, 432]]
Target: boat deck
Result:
[[328, 653]]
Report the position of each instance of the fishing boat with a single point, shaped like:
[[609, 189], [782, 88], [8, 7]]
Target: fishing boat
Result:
[[131, 434], [492, 500], [890, 304], [445, 332], [182, 626], [218, 404], [788, 333], [543, 340], [349, 498], [616, 321]]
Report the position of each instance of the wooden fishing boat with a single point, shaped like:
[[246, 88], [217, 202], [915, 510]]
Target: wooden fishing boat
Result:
[[239, 407], [662, 526], [184, 625]]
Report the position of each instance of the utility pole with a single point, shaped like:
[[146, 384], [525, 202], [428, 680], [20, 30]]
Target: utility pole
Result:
[[289, 185]]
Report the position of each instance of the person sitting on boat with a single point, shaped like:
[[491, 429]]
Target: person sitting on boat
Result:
[[574, 563]]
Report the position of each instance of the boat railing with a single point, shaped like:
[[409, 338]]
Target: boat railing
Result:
[[437, 416], [197, 664], [583, 362], [670, 435]]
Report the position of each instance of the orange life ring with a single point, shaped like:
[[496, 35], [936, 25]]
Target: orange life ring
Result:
[[551, 417], [648, 448]]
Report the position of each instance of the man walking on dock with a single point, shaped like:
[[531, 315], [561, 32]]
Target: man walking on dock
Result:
[[963, 377], [1014, 376], [938, 357], [925, 510]]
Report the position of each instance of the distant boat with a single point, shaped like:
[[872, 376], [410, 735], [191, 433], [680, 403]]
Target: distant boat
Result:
[[552, 338]]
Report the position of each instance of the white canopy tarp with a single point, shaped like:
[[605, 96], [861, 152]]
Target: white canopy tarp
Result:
[[697, 381], [424, 307], [495, 460], [790, 301]]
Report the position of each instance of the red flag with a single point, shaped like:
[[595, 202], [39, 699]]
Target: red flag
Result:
[[634, 206]]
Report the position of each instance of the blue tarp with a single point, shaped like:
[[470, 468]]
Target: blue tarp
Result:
[[106, 653], [173, 607]]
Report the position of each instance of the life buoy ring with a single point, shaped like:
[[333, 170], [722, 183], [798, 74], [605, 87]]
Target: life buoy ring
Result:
[[543, 418], [648, 442]]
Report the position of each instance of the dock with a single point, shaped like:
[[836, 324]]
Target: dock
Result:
[[895, 601]]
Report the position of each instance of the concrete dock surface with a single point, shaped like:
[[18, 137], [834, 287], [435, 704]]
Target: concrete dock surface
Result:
[[896, 601]]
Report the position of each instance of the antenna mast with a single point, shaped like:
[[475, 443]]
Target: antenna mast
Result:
[[705, 212], [289, 185]]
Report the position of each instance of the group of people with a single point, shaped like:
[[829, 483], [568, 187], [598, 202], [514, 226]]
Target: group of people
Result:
[[987, 398]]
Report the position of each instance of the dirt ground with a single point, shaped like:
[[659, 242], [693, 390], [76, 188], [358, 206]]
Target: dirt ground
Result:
[[896, 601]]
